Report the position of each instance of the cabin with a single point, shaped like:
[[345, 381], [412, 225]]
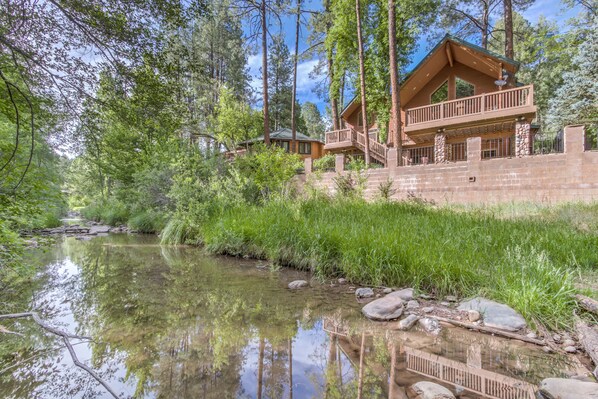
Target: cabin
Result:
[[307, 147], [459, 90]]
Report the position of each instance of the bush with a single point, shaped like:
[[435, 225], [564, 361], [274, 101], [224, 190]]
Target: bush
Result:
[[180, 231], [147, 221], [110, 212], [325, 163]]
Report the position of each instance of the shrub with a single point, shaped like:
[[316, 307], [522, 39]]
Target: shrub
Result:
[[325, 163], [147, 221], [111, 212], [179, 230]]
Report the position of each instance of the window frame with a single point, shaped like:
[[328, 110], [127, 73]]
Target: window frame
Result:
[[466, 81], [303, 145], [438, 88]]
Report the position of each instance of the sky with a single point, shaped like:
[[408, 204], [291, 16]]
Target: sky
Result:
[[553, 10]]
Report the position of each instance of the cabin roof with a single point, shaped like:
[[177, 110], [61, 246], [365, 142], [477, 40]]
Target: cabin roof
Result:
[[449, 49], [282, 134]]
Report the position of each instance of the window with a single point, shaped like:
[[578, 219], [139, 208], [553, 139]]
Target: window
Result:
[[304, 148], [464, 89], [283, 144], [440, 95]]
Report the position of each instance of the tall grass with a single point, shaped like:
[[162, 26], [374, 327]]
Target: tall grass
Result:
[[112, 213], [527, 264]]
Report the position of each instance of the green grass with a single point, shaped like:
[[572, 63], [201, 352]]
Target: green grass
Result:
[[528, 263], [112, 213], [147, 221]]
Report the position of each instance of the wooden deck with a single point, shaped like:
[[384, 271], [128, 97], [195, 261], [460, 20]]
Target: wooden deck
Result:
[[498, 105]]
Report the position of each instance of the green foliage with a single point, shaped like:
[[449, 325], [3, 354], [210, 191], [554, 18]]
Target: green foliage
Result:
[[147, 222], [326, 162], [236, 121], [521, 262], [110, 212]]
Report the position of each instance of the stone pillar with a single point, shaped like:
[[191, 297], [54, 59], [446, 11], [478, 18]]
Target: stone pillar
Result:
[[339, 164], [392, 160], [574, 139], [308, 165], [523, 139], [474, 149], [440, 155]]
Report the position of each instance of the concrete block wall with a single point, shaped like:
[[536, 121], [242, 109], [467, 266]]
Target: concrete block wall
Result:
[[550, 178]]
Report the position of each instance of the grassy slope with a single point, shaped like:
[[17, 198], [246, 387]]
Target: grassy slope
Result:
[[527, 264]]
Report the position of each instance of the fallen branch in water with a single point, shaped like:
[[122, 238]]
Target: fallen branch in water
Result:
[[490, 330], [65, 337]]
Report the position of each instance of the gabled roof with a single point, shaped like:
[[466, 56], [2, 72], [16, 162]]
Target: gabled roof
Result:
[[282, 134], [448, 50]]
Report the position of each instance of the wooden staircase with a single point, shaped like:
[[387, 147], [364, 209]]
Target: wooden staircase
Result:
[[352, 138]]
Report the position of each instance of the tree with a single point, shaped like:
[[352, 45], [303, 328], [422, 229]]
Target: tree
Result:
[[362, 84], [469, 18], [313, 120], [294, 97], [394, 79], [235, 121], [280, 84], [575, 101]]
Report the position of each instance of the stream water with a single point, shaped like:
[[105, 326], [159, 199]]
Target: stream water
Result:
[[176, 323]]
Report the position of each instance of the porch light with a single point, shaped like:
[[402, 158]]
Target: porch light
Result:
[[500, 82]]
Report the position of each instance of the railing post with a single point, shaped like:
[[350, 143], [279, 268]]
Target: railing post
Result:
[[339, 164], [574, 139], [308, 165], [483, 105], [441, 111]]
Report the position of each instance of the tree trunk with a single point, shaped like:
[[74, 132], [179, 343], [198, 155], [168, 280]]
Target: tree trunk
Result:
[[362, 85], [508, 18], [265, 73], [485, 24], [394, 81], [293, 148], [331, 94]]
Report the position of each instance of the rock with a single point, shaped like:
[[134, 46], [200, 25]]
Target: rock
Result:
[[564, 388], [342, 281], [429, 390], [496, 315], [425, 296], [473, 315], [569, 342], [387, 290], [431, 326], [587, 303], [532, 335], [547, 349], [450, 298], [31, 243], [293, 285], [412, 304], [364, 293], [408, 322], [445, 303], [383, 309], [556, 338], [570, 349], [405, 294], [99, 229], [428, 309]]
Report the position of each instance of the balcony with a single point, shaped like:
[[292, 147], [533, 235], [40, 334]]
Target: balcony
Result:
[[505, 104], [351, 138]]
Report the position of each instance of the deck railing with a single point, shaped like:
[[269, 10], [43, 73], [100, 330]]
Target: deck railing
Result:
[[476, 105], [354, 138], [421, 156], [457, 152], [502, 147]]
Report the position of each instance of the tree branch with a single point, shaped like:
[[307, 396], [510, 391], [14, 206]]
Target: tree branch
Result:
[[65, 336]]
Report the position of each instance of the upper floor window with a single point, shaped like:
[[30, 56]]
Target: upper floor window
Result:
[[463, 88], [440, 95]]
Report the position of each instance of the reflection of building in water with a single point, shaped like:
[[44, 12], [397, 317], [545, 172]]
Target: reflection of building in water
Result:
[[469, 377], [464, 372]]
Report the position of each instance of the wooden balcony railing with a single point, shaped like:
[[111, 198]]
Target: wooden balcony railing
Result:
[[353, 138], [476, 105]]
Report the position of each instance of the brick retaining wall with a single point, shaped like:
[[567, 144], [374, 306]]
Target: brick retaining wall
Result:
[[550, 178]]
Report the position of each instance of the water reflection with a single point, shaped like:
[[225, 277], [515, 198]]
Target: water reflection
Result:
[[174, 323]]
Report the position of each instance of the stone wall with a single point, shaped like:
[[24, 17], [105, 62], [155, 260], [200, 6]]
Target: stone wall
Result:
[[551, 178]]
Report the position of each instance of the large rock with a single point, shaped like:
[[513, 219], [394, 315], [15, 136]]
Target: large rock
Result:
[[563, 388], [405, 294], [385, 308], [99, 229], [496, 315], [429, 325], [293, 285], [364, 293], [408, 322], [429, 390]]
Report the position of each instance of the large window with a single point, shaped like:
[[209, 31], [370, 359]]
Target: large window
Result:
[[304, 148], [440, 95], [283, 144], [464, 89]]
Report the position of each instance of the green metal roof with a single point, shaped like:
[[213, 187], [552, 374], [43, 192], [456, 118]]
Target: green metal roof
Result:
[[282, 134]]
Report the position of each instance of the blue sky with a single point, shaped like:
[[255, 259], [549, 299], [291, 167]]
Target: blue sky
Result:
[[553, 10]]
